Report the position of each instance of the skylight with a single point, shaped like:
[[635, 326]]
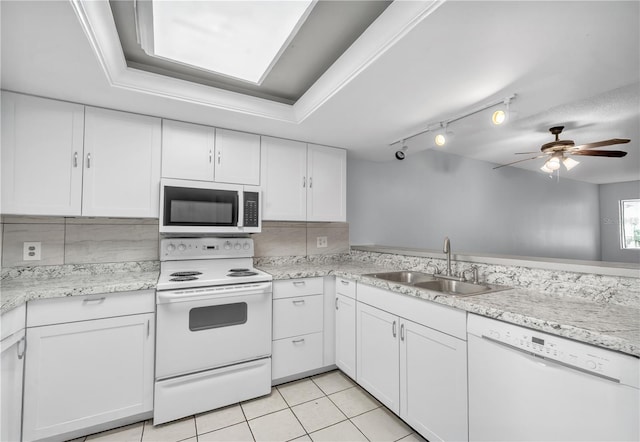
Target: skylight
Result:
[[239, 39]]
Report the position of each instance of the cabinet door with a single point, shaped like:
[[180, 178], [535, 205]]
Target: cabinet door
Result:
[[284, 180], [433, 382], [86, 373], [41, 156], [378, 352], [327, 176], [346, 335], [237, 157], [121, 164], [187, 151], [12, 362]]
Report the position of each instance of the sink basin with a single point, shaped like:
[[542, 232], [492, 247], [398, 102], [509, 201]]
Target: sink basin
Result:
[[403, 277], [458, 288]]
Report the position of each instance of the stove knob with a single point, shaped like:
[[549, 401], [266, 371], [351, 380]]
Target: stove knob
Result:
[[237, 246], [227, 245], [171, 248], [246, 246], [182, 247]]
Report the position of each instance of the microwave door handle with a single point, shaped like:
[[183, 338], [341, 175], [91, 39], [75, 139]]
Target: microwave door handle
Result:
[[240, 199]]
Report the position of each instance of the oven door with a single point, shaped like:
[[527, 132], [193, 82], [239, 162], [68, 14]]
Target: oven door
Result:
[[203, 328]]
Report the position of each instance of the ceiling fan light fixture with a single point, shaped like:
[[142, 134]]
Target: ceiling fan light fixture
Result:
[[553, 163], [570, 163], [545, 169]]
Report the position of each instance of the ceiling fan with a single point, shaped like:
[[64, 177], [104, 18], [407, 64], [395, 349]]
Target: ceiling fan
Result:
[[558, 151]]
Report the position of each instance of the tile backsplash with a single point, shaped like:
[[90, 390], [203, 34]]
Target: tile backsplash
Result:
[[100, 240]]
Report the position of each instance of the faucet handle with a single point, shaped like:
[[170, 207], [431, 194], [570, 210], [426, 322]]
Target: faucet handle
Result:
[[474, 270]]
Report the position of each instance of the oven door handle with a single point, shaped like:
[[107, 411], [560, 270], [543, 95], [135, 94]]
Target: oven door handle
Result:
[[225, 291]]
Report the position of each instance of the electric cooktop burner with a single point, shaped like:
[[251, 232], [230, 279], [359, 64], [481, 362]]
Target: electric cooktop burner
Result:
[[186, 274], [183, 278], [241, 272]]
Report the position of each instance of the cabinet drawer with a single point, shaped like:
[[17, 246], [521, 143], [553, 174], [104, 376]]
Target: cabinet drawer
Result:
[[297, 287], [86, 307], [346, 287], [297, 316], [296, 355]]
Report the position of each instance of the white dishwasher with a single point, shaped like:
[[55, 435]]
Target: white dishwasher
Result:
[[529, 385]]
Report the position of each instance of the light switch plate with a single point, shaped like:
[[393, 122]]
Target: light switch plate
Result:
[[31, 251], [321, 242]]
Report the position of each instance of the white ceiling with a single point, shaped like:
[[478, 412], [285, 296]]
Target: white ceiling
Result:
[[573, 63]]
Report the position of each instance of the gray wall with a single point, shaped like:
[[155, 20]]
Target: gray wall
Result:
[[431, 194], [610, 196]]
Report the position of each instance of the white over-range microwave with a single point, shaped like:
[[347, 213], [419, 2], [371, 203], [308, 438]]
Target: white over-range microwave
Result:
[[200, 207]]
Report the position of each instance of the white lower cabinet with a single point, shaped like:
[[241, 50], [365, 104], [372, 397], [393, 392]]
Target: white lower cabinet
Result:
[[346, 334], [433, 382], [416, 371], [11, 370], [82, 375]]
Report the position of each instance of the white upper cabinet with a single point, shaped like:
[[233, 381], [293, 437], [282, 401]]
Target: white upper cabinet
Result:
[[187, 151], [303, 182], [122, 164], [237, 157], [284, 179], [327, 184], [41, 156]]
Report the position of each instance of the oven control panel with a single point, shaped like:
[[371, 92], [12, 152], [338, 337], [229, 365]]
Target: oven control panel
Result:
[[205, 248]]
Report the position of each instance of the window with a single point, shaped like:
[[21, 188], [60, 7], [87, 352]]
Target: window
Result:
[[630, 223]]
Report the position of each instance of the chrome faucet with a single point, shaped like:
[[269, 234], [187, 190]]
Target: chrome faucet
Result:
[[447, 249]]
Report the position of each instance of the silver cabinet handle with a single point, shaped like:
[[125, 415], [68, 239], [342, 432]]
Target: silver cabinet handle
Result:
[[75, 159], [344, 282], [402, 332], [337, 303], [297, 341], [393, 329], [304, 181], [299, 283], [219, 155], [310, 182], [88, 160], [298, 302], [96, 300], [148, 327], [24, 347], [210, 156]]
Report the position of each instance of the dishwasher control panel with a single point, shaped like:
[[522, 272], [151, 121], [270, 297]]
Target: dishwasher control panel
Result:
[[584, 357]]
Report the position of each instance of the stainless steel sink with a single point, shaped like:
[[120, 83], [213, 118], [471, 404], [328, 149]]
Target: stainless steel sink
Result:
[[432, 282], [403, 277], [458, 288]]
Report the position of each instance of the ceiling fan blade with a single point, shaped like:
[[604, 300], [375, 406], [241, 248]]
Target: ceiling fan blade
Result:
[[610, 142], [519, 161], [525, 153], [599, 153]]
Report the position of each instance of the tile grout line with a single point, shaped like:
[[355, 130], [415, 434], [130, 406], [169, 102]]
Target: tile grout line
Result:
[[247, 420]]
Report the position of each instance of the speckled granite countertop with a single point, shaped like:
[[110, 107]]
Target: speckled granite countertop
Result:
[[607, 325], [24, 284]]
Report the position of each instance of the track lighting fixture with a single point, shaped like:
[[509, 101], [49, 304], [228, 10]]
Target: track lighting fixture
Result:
[[498, 117], [400, 154]]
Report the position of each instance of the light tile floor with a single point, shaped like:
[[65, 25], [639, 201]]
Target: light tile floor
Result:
[[328, 407]]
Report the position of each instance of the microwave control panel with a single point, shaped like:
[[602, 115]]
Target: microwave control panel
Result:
[[251, 200]]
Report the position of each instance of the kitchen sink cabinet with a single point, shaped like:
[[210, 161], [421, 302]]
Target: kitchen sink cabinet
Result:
[[378, 353], [345, 327], [90, 374], [417, 371], [303, 182], [42, 151]]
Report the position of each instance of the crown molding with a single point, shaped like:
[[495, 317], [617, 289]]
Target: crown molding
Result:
[[395, 22]]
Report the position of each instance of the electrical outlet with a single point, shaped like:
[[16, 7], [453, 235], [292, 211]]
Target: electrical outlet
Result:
[[321, 242], [31, 251]]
